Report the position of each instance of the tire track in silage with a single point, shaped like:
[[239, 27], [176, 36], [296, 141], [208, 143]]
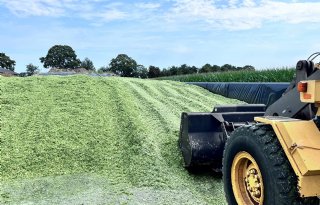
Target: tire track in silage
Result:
[[135, 134], [200, 94], [127, 139], [168, 96], [173, 161], [153, 105], [183, 100], [176, 103], [107, 122], [162, 142], [168, 148], [166, 99]]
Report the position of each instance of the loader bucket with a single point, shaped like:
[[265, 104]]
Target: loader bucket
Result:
[[203, 135], [201, 139]]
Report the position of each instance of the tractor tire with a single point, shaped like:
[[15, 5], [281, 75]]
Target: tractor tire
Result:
[[256, 170]]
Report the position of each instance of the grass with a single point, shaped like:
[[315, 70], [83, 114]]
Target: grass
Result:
[[86, 140], [270, 75]]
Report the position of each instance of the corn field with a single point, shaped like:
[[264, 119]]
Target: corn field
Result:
[[270, 75]]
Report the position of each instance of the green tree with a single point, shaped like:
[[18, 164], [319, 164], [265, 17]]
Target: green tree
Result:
[[248, 67], [228, 67], [60, 57], [32, 69], [6, 62], [206, 68], [215, 68], [87, 64], [141, 72], [103, 69], [173, 70], [165, 72], [193, 69], [123, 65], [153, 72], [185, 69]]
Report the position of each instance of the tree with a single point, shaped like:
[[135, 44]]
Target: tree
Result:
[[32, 69], [6, 62], [173, 70], [123, 65], [165, 72], [153, 72], [141, 72], [228, 67], [103, 69], [185, 69], [215, 68], [248, 67], [206, 68], [193, 69], [61, 57], [87, 64]]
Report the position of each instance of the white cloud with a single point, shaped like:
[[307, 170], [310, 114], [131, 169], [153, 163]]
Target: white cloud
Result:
[[111, 15], [181, 49], [248, 14], [233, 3], [148, 5], [228, 14], [58, 8], [34, 7], [249, 3]]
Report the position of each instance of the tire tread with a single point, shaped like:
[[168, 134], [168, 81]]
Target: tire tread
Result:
[[286, 180]]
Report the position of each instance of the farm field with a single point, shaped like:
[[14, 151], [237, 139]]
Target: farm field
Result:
[[87, 140], [270, 75]]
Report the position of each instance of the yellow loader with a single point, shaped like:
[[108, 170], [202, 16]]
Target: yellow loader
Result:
[[268, 156]]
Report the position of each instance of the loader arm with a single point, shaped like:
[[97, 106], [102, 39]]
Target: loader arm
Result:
[[290, 105]]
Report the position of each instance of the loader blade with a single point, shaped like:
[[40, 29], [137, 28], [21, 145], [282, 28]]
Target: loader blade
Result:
[[203, 135]]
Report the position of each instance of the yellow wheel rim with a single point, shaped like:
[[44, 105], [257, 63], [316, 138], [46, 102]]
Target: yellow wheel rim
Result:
[[246, 179]]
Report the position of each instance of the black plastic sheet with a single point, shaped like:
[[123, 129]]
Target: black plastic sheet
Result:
[[253, 93]]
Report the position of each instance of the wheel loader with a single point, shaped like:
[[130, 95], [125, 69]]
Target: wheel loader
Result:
[[267, 155]]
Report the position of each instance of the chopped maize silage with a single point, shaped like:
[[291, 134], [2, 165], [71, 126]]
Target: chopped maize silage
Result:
[[85, 140]]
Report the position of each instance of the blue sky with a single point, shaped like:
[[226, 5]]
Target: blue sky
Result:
[[262, 33]]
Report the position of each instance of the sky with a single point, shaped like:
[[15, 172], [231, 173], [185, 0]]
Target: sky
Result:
[[163, 33]]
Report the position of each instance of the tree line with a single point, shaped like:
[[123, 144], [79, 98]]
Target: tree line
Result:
[[63, 57]]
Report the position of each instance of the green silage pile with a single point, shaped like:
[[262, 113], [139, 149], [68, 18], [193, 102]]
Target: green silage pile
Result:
[[86, 140]]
